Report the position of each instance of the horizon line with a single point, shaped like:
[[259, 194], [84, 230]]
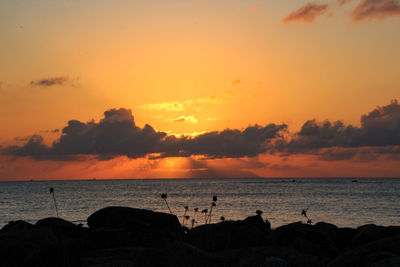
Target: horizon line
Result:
[[196, 178]]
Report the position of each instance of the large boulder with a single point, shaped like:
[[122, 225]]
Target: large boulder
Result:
[[16, 226], [50, 242], [177, 253], [113, 238], [344, 237], [372, 253], [136, 220], [60, 227], [170, 253], [387, 262], [267, 256], [30, 247], [229, 234], [318, 240], [371, 232], [122, 257]]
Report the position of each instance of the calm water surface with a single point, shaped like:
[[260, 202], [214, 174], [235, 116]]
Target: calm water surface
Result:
[[339, 201]]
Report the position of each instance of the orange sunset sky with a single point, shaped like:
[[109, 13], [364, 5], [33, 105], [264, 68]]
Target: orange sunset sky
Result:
[[172, 89]]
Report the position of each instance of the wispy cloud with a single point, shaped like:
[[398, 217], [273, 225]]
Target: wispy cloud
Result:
[[50, 131], [212, 100], [50, 81], [364, 10], [213, 119], [25, 138], [183, 105], [307, 13], [189, 119], [343, 2], [376, 9], [236, 82], [254, 8], [167, 106]]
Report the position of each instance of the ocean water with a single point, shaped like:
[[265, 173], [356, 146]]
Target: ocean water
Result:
[[335, 200]]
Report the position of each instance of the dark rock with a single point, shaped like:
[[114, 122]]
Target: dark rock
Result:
[[30, 247], [60, 227], [123, 257], [338, 237], [275, 262], [324, 225], [229, 234], [388, 262], [369, 253], [345, 235], [263, 256], [119, 236], [54, 223], [43, 244], [371, 232], [177, 253], [138, 220], [112, 238], [171, 253], [318, 240], [16, 226], [69, 237]]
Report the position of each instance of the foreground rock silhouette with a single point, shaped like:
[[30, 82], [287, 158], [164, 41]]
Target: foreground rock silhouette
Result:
[[122, 236]]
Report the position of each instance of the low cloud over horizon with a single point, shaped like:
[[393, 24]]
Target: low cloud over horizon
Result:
[[118, 135], [379, 134]]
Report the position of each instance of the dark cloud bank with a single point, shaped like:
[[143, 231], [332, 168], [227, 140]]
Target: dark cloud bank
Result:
[[117, 135], [379, 134]]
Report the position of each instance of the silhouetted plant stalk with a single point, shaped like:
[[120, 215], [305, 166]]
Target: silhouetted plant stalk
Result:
[[187, 220], [304, 213], [205, 211], [164, 196], [184, 215], [195, 210], [213, 204], [54, 199]]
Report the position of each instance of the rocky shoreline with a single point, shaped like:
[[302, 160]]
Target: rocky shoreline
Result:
[[122, 236]]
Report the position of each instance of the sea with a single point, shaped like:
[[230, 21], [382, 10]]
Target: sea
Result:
[[342, 201]]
